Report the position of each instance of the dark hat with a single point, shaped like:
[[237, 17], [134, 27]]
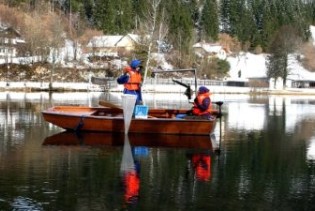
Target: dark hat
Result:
[[203, 89]]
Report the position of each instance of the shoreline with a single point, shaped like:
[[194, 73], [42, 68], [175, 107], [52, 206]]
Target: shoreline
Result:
[[158, 88]]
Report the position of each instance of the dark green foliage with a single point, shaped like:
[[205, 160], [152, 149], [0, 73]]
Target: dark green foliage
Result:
[[257, 20], [223, 67], [213, 69], [113, 17], [285, 42], [224, 16], [180, 25], [209, 20], [250, 21], [276, 65]]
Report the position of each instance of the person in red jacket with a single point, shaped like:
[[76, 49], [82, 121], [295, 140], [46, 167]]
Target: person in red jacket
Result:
[[202, 103]]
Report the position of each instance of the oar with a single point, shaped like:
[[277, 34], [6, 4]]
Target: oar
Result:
[[128, 103], [108, 104]]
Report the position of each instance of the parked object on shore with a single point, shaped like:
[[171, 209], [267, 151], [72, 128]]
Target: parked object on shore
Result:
[[98, 119]]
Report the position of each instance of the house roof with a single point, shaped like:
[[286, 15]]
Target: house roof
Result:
[[9, 29], [104, 41], [110, 41], [209, 47], [134, 37]]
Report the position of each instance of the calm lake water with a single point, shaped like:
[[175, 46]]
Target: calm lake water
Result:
[[266, 158]]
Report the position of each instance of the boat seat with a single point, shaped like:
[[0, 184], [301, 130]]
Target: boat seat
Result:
[[109, 113]]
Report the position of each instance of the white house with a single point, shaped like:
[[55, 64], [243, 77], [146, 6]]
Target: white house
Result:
[[111, 45], [10, 40], [210, 50]]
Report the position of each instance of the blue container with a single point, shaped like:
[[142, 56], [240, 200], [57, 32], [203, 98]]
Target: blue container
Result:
[[180, 116]]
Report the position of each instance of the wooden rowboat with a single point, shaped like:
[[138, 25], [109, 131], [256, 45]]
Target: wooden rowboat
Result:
[[69, 138], [101, 119]]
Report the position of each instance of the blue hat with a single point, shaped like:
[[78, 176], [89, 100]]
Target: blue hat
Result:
[[135, 63], [203, 89]]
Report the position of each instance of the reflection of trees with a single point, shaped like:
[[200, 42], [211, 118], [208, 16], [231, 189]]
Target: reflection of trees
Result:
[[256, 170], [18, 119], [264, 168]]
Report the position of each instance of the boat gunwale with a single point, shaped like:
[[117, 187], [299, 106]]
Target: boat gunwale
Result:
[[60, 112], [133, 119]]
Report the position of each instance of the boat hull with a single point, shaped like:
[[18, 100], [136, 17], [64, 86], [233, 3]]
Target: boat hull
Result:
[[111, 120]]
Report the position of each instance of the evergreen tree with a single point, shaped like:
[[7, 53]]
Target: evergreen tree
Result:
[[88, 9], [113, 16], [180, 25], [224, 16], [285, 42], [249, 21], [123, 18], [104, 16], [209, 20], [139, 8]]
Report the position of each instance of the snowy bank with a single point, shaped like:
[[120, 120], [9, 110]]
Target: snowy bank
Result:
[[158, 88]]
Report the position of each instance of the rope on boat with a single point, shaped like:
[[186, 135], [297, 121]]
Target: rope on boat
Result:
[[80, 124]]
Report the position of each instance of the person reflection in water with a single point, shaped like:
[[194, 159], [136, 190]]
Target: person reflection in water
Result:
[[132, 184], [201, 165]]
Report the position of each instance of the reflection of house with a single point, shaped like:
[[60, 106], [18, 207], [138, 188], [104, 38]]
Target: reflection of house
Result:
[[210, 50], [10, 40], [255, 118], [110, 45]]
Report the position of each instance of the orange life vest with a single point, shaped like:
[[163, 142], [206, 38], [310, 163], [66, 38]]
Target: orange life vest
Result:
[[200, 98], [202, 164], [132, 185], [134, 80]]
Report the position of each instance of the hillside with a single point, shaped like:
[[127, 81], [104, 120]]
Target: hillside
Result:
[[51, 21], [245, 65], [254, 66]]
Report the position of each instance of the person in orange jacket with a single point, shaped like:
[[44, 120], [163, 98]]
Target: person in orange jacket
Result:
[[132, 186], [202, 103], [132, 79], [131, 179], [202, 166]]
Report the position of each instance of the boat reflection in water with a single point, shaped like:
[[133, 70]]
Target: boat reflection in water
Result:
[[130, 172], [199, 152], [117, 139]]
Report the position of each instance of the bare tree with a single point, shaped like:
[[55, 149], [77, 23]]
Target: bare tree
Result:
[[150, 28], [75, 31], [163, 28], [56, 40], [34, 33], [10, 16]]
